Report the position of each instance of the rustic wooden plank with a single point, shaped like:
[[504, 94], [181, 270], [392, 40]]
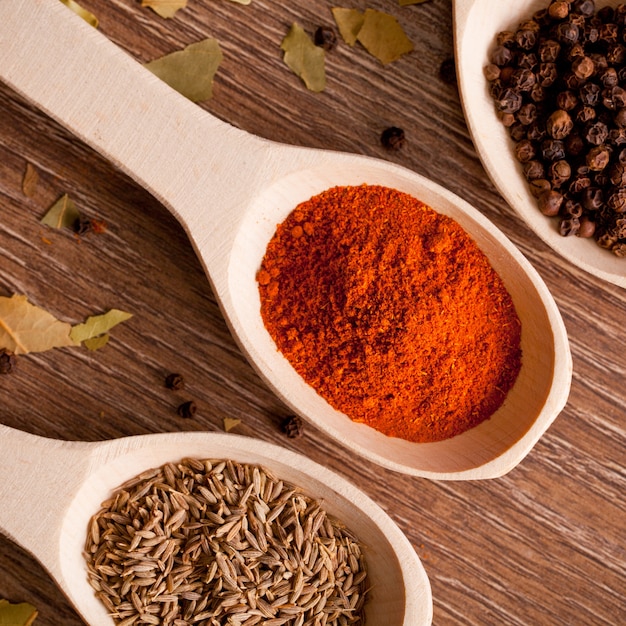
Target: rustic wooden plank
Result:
[[542, 545]]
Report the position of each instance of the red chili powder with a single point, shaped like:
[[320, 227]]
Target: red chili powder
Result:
[[390, 312]]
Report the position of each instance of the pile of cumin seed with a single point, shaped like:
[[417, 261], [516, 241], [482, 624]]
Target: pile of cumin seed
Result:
[[215, 543]]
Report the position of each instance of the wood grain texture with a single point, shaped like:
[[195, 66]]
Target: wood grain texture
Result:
[[542, 545]]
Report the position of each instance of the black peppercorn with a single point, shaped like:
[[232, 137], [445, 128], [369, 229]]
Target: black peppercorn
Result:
[[175, 382], [598, 158], [527, 114], [325, 37], [552, 150], [571, 208], [536, 132], [589, 94], [579, 183], [527, 60], [539, 186], [509, 101], [559, 172], [620, 118], [619, 250], [534, 169], [7, 361], [558, 10], [523, 80], [550, 202], [492, 72], [526, 38], [567, 33], [574, 144], [587, 228], [392, 138], [617, 136], [616, 54], [608, 33], [549, 50], [616, 199], [293, 426], [608, 77], [501, 56], [547, 74], [187, 409], [585, 7], [584, 114], [506, 38], [583, 67], [617, 174], [569, 226], [592, 198], [525, 151], [595, 132], [517, 131], [566, 100], [447, 71], [559, 125]]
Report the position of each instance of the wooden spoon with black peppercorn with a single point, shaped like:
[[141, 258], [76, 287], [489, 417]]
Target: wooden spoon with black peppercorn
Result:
[[477, 25], [230, 189]]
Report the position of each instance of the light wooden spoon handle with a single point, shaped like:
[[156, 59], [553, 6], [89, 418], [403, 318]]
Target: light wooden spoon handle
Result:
[[38, 479], [166, 143]]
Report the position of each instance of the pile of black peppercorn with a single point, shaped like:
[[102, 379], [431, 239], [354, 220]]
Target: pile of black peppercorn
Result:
[[559, 86]]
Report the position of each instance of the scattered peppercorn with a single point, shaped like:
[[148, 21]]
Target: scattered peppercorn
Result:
[[558, 81], [325, 37], [293, 426], [187, 409], [447, 71], [393, 138], [7, 361], [175, 382]]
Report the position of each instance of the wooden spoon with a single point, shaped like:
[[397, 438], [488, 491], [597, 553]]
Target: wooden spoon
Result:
[[50, 489], [230, 189], [476, 24]]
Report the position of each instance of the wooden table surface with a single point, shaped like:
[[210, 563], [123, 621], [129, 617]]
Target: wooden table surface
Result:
[[545, 544]]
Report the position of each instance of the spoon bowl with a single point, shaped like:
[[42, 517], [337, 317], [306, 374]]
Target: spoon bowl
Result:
[[476, 24], [66, 482], [230, 189]]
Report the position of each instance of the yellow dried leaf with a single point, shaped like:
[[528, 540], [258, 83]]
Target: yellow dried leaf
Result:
[[164, 8], [190, 71], [25, 327], [98, 325], [230, 423], [62, 214], [304, 58], [30, 180], [89, 17], [349, 23], [383, 37], [22, 614], [95, 343]]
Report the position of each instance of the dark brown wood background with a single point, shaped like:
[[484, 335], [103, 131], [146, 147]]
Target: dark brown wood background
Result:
[[544, 545]]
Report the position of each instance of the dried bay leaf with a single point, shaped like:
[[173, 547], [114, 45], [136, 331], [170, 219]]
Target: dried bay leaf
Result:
[[30, 180], [190, 71], [406, 3], [96, 326], [62, 214], [304, 58], [242, 1], [230, 423], [95, 343], [164, 8], [26, 328], [89, 17], [383, 37], [349, 23], [22, 614]]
